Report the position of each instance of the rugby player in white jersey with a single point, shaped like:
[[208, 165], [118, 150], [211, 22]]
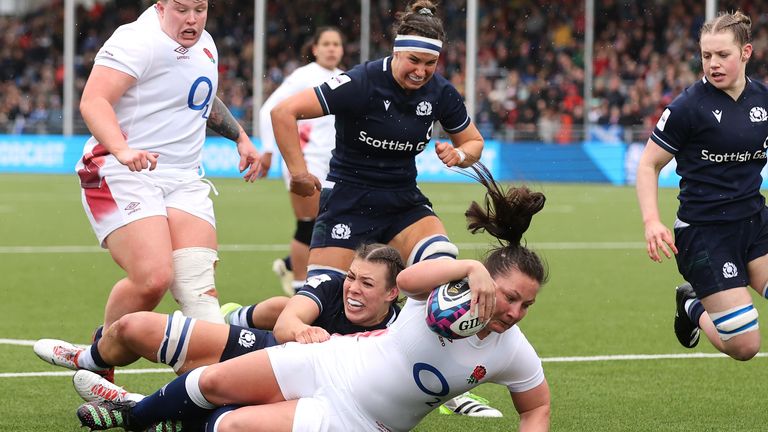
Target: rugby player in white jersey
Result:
[[317, 140], [386, 380], [147, 102]]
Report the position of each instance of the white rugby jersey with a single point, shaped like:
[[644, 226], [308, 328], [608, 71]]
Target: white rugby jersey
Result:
[[395, 377], [317, 135], [167, 109]]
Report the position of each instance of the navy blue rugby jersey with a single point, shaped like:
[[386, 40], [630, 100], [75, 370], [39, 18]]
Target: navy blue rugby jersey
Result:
[[327, 291], [380, 127], [720, 148]]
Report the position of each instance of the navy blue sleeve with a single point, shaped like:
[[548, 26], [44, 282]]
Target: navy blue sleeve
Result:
[[324, 289], [453, 113], [344, 93], [673, 129]]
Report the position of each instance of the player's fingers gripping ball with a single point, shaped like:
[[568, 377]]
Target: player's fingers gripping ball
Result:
[[448, 312]]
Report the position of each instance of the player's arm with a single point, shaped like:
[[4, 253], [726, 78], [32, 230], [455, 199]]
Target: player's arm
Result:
[[221, 121], [293, 324], [466, 149], [534, 408], [104, 88], [420, 279], [657, 236], [290, 86], [302, 105]]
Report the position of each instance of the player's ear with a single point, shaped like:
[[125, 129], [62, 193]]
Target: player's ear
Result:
[[746, 52]]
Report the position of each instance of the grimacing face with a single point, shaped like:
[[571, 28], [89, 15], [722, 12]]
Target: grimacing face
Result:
[[367, 298], [413, 69], [183, 20], [515, 293]]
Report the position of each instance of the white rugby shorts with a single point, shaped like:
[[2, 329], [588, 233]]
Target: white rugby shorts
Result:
[[305, 372], [122, 196]]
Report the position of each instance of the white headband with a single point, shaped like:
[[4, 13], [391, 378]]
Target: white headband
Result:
[[418, 44]]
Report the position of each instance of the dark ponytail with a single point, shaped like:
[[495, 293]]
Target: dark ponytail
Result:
[[506, 215]]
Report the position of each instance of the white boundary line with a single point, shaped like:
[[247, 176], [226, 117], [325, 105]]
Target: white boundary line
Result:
[[579, 359], [284, 247]]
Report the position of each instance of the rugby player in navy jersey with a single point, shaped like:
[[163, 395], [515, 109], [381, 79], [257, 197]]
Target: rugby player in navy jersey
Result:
[[385, 111], [717, 131], [363, 300]]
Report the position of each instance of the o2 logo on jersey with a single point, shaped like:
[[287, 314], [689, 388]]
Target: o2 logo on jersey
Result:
[[424, 108], [430, 381], [196, 91], [758, 114]]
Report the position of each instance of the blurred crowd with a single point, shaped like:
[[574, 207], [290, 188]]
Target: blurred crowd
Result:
[[530, 60]]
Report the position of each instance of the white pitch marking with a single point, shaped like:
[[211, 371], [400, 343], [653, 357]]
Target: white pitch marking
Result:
[[282, 247]]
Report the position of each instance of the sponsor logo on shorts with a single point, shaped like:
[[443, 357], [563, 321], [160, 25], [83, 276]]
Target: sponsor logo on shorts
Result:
[[341, 232], [133, 207], [730, 270], [247, 338]]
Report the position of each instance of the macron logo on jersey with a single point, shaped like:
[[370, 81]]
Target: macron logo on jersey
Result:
[[718, 114]]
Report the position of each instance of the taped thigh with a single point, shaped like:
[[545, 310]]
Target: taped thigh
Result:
[[432, 247], [173, 348], [193, 281], [735, 321]]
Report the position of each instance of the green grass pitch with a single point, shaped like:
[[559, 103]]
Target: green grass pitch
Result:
[[605, 298]]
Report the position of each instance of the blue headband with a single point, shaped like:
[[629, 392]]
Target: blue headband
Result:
[[418, 44]]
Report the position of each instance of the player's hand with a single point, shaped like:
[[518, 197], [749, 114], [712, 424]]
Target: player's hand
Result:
[[137, 160], [249, 159], [312, 335], [265, 162], [447, 153], [658, 237], [305, 184], [483, 289]]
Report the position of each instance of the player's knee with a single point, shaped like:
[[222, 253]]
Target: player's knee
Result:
[[128, 328], [738, 329], [745, 347], [193, 286], [433, 247], [210, 382], [303, 233], [153, 285]]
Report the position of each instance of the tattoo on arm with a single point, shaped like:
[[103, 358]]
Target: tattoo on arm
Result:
[[221, 121]]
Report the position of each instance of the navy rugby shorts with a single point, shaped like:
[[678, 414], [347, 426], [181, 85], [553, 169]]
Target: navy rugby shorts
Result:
[[714, 257], [350, 215]]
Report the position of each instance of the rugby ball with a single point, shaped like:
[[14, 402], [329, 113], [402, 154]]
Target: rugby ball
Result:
[[448, 311]]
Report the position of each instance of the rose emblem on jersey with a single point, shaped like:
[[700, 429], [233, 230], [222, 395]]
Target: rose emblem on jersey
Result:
[[424, 108], [477, 374], [247, 338], [730, 270], [210, 56], [341, 231], [758, 114]]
